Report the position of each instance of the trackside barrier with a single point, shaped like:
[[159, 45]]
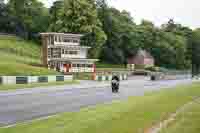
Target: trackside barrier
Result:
[[109, 77], [168, 76], [1, 81], [33, 79]]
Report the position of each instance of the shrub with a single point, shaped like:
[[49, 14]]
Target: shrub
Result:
[[153, 69]]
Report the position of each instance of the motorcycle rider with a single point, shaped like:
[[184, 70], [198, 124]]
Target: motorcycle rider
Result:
[[115, 83]]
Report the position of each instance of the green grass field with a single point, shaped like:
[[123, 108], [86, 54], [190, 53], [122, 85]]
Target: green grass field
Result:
[[106, 65], [21, 86], [134, 115], [20, 57], [187, 121]]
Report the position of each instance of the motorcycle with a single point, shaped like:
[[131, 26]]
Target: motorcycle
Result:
[[115, 84]]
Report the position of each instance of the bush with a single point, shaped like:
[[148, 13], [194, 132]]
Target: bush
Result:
[[139, 66], [106, 65], [153, 69], [141, 72]]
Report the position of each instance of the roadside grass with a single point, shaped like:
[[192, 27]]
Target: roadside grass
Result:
[[83, 76], [20, 69], [106, 65], [134, 115], [19, 46], [186, 122], [111, 69], [22, 86], [20, 57]]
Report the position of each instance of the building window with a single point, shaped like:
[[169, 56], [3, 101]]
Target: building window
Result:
[[66, 52], [66, 40], [90, 65], [70, 52], [49, 53], [75, 52], [63, 51], [81, 65], [60, 39], [56, 52], [75, 41], [52, 40]]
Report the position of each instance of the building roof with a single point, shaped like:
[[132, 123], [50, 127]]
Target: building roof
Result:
[[144, 54], [69, 46], [65, 34], [74, 59]]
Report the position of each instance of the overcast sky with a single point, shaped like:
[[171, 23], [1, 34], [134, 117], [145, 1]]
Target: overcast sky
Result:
[[186, 12]]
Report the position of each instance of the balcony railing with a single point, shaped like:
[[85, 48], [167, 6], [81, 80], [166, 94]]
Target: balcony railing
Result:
[[66, 43]]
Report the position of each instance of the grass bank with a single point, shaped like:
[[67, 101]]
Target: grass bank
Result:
[[20, 57], [134, 115], [21, 86], [186, 121]]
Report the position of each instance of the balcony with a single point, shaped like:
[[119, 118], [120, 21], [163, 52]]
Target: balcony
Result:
[[66, 43]]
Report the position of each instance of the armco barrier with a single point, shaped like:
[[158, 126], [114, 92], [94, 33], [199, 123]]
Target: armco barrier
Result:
[[1, 80], [99, 78], [51, 79], [43, 79], [34, 79], [60, 78], [21, 80], [10, 80], [109, 77]]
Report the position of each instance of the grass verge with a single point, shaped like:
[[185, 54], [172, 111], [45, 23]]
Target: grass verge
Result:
[[106, 65], [187, 121], [21, 86], [21, 57], [131, 116]]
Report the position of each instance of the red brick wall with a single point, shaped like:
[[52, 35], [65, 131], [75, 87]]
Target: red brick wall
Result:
[[141, 61], [149, 61]]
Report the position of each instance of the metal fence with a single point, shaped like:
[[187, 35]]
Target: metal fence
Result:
[[179, 74], [172, 75], [109, 77]]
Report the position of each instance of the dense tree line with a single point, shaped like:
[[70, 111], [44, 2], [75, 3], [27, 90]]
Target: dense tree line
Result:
[[112, 34]]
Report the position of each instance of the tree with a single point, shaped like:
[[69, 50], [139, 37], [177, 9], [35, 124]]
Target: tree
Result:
[[8, 22], [182, 35], [4, 18], [196, 52], [79, 16], [118, 28], [56, 11], [31, 14]]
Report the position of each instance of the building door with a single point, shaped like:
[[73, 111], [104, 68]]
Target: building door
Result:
[[67, 67]]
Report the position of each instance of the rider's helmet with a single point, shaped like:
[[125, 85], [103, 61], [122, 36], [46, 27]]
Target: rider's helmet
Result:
[[115, 77]]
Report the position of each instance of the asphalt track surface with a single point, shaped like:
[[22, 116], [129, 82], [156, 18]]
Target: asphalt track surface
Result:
[[28, 104]]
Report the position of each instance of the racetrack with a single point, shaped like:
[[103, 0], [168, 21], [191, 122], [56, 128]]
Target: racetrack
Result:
[[27, 104]]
